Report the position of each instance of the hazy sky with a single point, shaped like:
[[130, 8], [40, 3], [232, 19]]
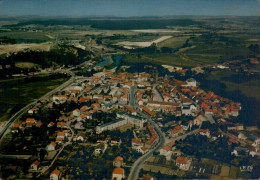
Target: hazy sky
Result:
[[129, 7]]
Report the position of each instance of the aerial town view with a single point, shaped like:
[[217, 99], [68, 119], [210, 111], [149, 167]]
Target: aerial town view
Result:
[[130, 90]]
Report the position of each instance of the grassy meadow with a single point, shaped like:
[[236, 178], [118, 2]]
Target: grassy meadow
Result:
[[16, 93]]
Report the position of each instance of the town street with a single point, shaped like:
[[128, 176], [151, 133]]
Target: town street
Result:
[[134, 172], [135, 169]]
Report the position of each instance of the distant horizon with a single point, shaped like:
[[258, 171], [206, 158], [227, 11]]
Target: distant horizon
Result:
[[128, 8], [110, 16]]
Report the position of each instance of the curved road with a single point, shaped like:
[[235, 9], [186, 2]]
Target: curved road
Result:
[[135, 169]]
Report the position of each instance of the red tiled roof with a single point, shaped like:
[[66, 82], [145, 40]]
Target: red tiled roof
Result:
[[118, 171], [16, 125], [182, 160], [147, 177], [129, 108], [39, 123], [61, 123], [60, 134], [56, 172], [29, 120], [171, 143], [232, 140], [36, 162], [119, 158], [143, 148], [166, 148], [148, 110], [136, 140], [53, 144]]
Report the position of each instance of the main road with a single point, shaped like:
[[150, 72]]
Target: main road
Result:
[[29, 106], [135, 169]]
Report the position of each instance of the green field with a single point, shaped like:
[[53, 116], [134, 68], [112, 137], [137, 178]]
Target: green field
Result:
[[173, 42], [250, 88], [15, 94], [178, 59]]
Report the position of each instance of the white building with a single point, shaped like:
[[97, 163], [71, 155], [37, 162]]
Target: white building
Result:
[[76, 112], [166, 151], [51, 146], [35, 165], [183, 163], [55, 175], [118, 173], [191, 82], [59, 99], [124, 119]]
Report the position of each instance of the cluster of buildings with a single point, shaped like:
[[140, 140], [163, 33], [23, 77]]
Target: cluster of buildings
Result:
[[123, 119], [143, 147], [106, 92]]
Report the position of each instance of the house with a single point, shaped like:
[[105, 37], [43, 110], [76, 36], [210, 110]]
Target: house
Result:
[[241, 136], [76, 112], [61, 135], [142, 149], [252, 151], [176, 131], [59, 140], [61, 125], [39, 124], [232, 141], [147, 177], [183, 163], [205, 132], [51, 124], [198, 120], [30, 120], [88, 115], [239, 127], [79, 125], [171, 144], [131, 110], [63, 118], [31, 111], [118, 173], [35, 165], [191, 82], [166, 151], [15, 127], [256, 143], [82, 117], [188, 110], [51, 146], [115, 141], [55, 175], [59, 99], [136, 142], [118, 161], [81, 137]]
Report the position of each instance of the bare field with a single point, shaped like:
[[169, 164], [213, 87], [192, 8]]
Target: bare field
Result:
[[27, 65], [5, 49], [155, 31], [144, 43]]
